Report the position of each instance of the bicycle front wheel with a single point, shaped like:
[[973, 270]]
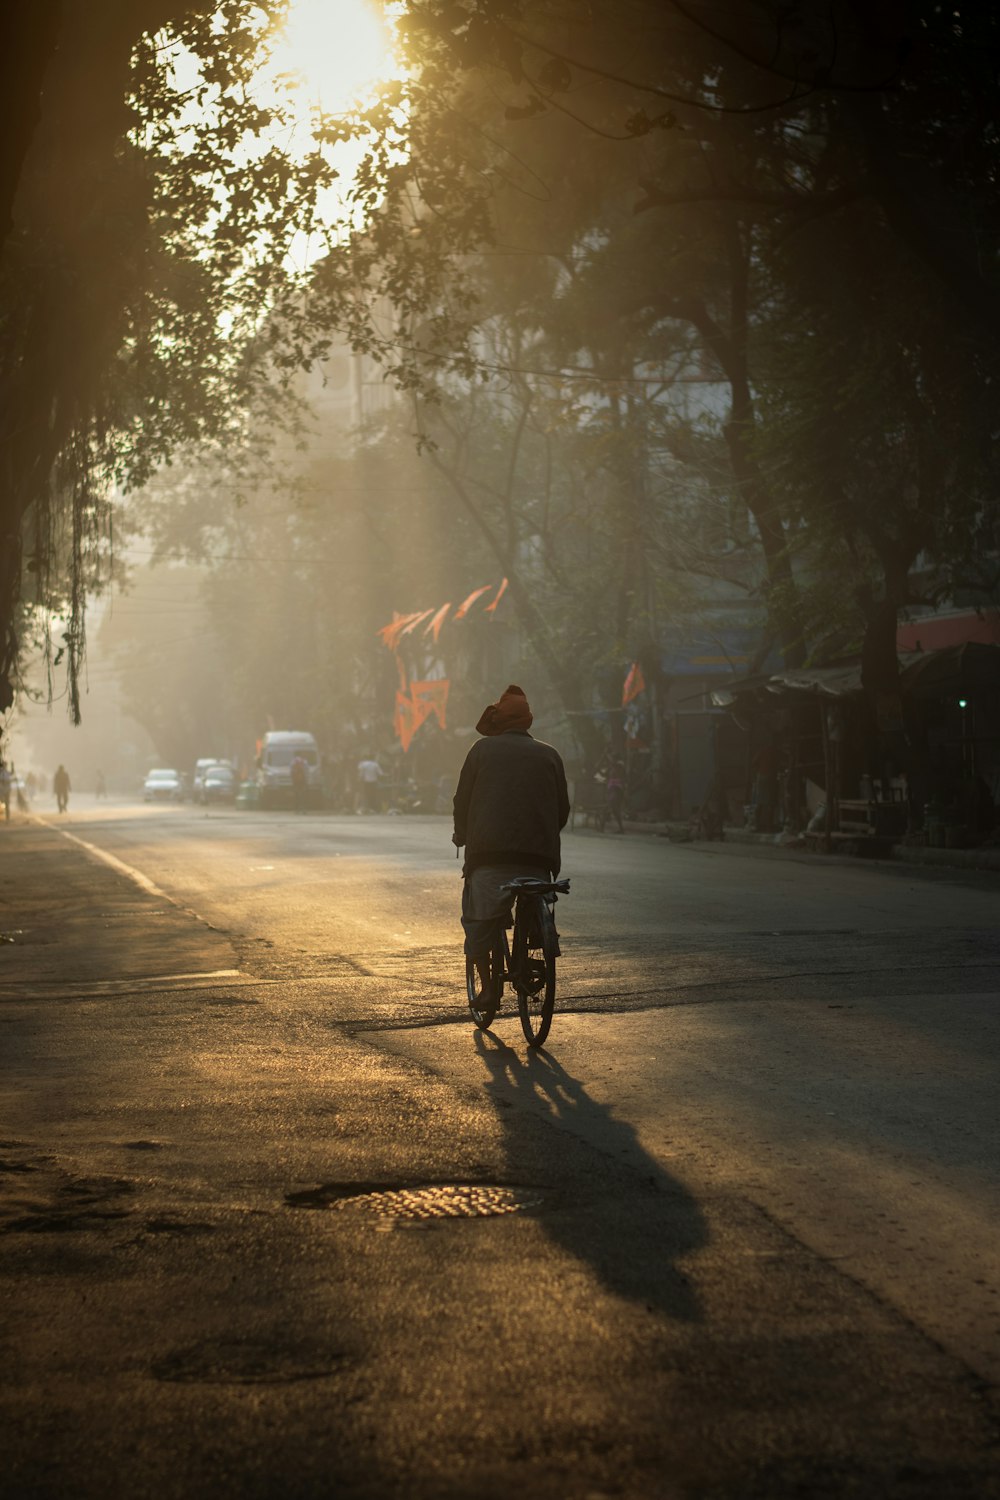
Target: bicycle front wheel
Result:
[[482, 984], [534, 963]]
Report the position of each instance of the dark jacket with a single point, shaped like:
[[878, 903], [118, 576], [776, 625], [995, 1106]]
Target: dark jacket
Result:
[[511, 803]]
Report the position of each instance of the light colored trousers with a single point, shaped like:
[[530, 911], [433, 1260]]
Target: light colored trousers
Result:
[[485, 905]]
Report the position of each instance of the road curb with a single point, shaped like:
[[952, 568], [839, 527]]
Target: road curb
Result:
[[982, 860]]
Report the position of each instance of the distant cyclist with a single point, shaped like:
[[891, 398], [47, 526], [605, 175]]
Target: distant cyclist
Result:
[[510, 806]]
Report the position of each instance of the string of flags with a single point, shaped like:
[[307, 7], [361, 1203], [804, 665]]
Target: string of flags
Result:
[[433, 619], [416, 701]]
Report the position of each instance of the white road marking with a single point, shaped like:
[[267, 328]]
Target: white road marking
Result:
[[138, 878], [141, 880]]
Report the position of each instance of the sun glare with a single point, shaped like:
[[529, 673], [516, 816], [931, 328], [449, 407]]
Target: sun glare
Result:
[[330, 56], [333, 53], [337, 49]]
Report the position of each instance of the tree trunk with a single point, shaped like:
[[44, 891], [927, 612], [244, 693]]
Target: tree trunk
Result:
[[28, 30], [732, 353], [880, 681], [783, 595]]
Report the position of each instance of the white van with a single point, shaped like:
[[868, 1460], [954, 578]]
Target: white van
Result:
[[274, 766]]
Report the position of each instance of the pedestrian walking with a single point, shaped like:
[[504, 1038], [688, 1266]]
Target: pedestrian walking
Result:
[[370, 773], [61, 787], [615, 787]]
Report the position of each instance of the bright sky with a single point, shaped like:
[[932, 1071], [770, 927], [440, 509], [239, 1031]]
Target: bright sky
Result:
[[330, 55], [339, 47], [336, 50]]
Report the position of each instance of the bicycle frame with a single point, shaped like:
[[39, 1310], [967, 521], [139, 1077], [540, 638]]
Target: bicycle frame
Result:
[[511, 974], [527, 962]]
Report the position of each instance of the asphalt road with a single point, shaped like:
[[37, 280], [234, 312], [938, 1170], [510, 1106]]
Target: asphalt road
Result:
[[733, 1234]]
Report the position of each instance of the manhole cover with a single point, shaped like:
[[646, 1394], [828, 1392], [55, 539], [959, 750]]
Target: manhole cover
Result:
[[447, 1201], [440, 1200]]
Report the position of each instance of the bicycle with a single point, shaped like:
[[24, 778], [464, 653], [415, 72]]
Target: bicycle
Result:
[[527, 963], [590, 803]]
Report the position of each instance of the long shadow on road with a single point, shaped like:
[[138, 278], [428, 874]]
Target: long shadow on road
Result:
[[621, 1213]]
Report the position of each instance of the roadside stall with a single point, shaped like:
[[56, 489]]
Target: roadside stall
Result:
[[953, 699], [812, 729]]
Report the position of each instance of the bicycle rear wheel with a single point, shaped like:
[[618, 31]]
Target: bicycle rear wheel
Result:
[[484, 989], [534, 965]]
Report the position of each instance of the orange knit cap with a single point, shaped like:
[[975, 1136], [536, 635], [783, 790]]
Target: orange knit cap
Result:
[[510, 711]]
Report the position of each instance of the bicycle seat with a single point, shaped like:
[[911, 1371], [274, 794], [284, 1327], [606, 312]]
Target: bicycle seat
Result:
[[527, 885]]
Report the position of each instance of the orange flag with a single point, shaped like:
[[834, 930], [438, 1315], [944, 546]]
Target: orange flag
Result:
[[417, 705], [403, 720], [415, 621], [390, 633], [430, 698], [434, 627], [500, 593], [635, 684], [466, 605]]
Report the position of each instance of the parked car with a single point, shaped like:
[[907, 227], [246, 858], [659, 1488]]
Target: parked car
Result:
[[200, 767], [218, 784], [163, 785]]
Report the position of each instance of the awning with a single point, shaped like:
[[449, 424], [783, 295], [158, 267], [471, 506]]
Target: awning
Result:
[[970, 668], [820, 682]]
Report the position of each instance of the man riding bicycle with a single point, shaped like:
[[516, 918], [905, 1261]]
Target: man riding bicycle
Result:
[[511, 803]]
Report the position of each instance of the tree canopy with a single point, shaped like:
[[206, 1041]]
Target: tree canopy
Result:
[[146, 294], [725, 281], [803, 197]]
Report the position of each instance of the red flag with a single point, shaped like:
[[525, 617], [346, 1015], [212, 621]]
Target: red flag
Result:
[[635, 684]]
